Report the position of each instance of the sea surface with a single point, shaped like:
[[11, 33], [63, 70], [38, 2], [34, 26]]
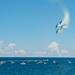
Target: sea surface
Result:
[[37, 66]]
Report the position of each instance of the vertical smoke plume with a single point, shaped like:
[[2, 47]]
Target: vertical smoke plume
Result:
[[65, 20]]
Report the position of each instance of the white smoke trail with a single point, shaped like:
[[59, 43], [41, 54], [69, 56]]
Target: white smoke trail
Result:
[[65, 20], [65, 26]]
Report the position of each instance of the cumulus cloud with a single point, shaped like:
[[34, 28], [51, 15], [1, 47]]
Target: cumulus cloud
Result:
[[55, 50], [53, 46], [10, 50], [10, 46]]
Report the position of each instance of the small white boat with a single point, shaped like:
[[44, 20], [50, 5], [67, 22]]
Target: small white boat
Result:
[[45, 63], [39, 62], [12, 62], [2, 62], [69, 61], [22, 63], [54, 62]]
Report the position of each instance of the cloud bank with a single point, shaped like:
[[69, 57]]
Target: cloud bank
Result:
[[52, 50], [55, 50], [11, 46], [10, 50]]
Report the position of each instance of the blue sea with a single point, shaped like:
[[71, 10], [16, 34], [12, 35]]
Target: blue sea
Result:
[[36, 66]]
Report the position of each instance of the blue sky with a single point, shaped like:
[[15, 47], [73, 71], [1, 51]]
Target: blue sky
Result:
[[27, 28]]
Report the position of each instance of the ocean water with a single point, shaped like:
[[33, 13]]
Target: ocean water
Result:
[[37, 66]]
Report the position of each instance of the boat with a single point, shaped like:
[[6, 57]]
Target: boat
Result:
[[69, 61], [12, 62], [39, 62], [54, 62], [2, 62], [22, 63], [45, 63]]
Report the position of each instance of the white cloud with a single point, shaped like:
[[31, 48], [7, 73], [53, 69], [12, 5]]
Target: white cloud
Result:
[[22, 52], [64, 52], [10, 53], [55, 51], [39, 53], [1, 42], [2, 52], [53, 46], [10, 46], [9, 50], [16, 52]]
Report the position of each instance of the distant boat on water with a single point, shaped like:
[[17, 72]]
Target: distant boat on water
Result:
[[12, 62], [69, 61], [2, 62], [39, 62], [45, 63], [22, 63], [55, 62]]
